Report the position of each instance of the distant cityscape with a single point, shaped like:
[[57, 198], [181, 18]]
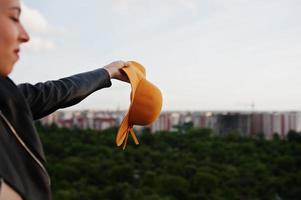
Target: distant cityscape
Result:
[[244, 123]]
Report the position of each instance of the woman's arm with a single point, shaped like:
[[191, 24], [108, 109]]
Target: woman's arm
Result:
[[45, 98]]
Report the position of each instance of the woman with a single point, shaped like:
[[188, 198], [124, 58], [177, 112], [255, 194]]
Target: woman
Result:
[[23, 174]]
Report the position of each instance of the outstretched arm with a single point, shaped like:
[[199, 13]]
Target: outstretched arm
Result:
[[45, 98]]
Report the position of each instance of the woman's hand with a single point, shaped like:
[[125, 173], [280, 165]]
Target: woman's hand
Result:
[[114, 69]]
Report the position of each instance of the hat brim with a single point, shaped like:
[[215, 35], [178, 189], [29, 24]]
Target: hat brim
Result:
[[134, 73], [138, 67], [123, 129]]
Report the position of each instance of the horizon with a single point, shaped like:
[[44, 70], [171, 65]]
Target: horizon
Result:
[[203, 111]]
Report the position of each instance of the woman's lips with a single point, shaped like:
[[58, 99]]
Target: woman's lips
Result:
[[17, 52]]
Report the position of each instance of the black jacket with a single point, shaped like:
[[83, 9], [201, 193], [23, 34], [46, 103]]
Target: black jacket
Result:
[[22, 159]]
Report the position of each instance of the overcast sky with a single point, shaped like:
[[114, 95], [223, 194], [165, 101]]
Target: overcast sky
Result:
[[202, 54]]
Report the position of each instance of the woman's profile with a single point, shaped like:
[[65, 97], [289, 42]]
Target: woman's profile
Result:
[[23, 173]]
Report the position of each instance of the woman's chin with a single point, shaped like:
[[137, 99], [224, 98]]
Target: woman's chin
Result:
[[6, 71]]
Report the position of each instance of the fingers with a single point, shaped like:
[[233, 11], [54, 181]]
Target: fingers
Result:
[[119, 64], [115, 71]]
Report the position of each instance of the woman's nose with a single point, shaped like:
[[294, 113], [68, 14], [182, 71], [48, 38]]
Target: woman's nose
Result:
[[23, 37]]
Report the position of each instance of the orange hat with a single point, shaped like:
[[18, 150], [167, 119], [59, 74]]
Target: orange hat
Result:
[[146, 103]]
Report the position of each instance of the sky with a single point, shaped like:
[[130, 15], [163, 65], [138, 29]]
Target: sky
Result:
[[202, 54]]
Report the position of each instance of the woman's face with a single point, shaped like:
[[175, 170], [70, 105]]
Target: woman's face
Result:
[[12, 34]]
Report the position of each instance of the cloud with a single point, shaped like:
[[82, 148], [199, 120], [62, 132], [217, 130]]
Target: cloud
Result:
[[39, 29], [34, 21], [37, 44], [191, 5], [169, 6]]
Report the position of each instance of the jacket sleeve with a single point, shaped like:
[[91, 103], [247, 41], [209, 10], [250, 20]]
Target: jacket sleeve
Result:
[[45, 98]]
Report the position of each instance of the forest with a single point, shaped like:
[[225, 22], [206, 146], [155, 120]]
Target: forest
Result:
[[194, 165]]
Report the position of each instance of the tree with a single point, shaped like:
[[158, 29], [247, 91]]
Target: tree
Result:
[[293, 136]]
